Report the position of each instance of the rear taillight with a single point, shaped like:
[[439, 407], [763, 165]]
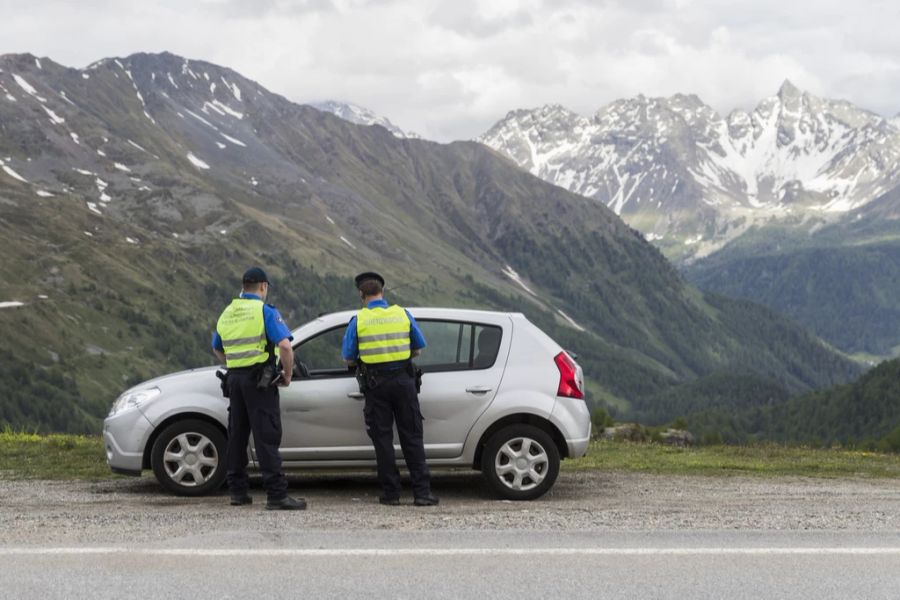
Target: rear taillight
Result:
[[568, 377]]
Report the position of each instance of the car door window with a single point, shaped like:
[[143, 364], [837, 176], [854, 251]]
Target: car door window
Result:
[[321, 355], [458, 346]]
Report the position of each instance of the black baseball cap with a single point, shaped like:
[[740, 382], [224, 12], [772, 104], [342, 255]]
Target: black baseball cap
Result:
[[255, 275], [368, 276]]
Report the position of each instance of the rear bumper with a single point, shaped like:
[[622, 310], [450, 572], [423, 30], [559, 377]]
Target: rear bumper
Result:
[[572, 418], [579, 447]]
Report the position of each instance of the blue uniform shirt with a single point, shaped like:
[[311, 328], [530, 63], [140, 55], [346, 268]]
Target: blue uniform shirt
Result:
[[350, 349], [276, 329]]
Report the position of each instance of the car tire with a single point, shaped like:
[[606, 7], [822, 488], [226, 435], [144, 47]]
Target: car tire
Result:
[[188, 457], [520, 462]]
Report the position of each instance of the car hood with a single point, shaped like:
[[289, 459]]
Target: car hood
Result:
[[192, 379]]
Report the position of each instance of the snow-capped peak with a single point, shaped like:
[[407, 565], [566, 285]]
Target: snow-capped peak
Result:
[[361, 116]]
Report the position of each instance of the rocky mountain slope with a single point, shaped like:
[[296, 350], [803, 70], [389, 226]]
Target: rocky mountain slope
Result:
[[133, 193]]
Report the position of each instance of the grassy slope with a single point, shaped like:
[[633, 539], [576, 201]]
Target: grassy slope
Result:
[[865, 413], [848, 295]]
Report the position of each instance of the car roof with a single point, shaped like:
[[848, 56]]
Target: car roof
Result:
[[436, 311], [421, 312]]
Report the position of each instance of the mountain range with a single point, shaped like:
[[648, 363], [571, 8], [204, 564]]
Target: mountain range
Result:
[[692, 180], [793, 204], [134, 192]]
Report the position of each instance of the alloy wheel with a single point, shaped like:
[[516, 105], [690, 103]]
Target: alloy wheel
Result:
[[190, 459], [521, 464]]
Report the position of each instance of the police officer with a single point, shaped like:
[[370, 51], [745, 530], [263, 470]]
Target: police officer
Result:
[[384, 339], [247, 333]]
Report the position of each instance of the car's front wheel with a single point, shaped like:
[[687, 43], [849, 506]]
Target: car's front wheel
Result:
[[520, 462], [188, 457]]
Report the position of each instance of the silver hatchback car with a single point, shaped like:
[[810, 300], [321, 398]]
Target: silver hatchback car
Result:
[[498, 395]]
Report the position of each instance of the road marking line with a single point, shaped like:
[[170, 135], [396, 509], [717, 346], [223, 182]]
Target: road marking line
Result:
[[445, 552]]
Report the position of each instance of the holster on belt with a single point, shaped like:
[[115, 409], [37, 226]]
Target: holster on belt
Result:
[[223, 376], [365, 378], [416, 373]]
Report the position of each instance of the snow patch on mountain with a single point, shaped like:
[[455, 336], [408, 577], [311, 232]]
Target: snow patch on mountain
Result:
[[196, 161], [54, 118], [235, 90], [224, 108], [29, 89], [9, 171], [570, 320], [201, 119], [63, 95], [235, 141], [509, 272]]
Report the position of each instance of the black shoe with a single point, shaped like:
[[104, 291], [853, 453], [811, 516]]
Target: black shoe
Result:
[[286, 503], [427, 501], [388, 501], [241, 500]]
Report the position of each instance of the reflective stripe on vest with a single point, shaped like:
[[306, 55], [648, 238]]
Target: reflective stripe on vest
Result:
[[243, 332], [383, 335]]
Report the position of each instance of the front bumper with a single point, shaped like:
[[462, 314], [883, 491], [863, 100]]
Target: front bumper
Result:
[[125, 436]]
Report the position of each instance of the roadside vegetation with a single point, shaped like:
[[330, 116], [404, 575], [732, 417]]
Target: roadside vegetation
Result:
[[55, 456], [764, 460], [66, 457]]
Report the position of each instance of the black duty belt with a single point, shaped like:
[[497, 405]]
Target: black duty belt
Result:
[[385, 372]]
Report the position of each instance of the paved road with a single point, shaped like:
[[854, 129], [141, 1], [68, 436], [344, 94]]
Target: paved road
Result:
[[448, 564], [596, 535]]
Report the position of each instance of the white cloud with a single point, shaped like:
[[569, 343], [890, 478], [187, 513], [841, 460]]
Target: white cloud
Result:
[[449, 70]]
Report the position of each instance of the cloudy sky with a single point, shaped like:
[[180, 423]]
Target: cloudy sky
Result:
[[450, 69]]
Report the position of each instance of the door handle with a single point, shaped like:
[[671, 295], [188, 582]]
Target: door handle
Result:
[[479, 389], [356, 395]]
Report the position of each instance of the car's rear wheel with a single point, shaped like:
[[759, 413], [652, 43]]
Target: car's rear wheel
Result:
[[188, 457], [520, 462]]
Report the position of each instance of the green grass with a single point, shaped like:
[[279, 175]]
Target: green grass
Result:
[[55, 456], [764, 460], [68, 457]]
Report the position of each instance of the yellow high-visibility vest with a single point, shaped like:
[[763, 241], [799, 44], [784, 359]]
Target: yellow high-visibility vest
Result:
[[243, 331], [383, 335]]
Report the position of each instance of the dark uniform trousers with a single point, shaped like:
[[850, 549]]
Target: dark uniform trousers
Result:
[[394, 399], [258, 411]]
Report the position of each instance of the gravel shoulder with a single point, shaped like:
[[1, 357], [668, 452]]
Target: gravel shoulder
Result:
[[128, 511]]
